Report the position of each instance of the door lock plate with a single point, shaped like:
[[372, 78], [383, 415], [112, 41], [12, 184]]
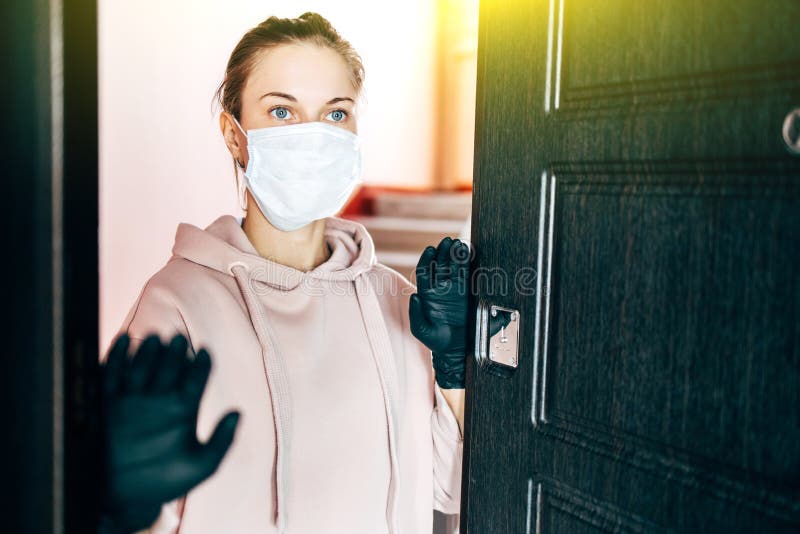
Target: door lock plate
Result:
[[497, 339]]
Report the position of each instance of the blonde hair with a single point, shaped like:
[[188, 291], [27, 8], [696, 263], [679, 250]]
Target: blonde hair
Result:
[[307, 28]]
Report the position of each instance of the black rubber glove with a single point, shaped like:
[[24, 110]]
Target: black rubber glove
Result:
[[151, 452], [438, 311]]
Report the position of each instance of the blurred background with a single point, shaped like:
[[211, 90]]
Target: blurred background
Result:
[[163, 160]]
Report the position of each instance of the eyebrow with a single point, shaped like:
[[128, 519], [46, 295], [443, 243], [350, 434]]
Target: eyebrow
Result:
[[293, 99]]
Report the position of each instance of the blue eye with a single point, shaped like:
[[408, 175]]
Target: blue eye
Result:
[[280, 113], [337, 115]]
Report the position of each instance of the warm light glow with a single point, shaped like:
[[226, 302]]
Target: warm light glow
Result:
[[458, 47]]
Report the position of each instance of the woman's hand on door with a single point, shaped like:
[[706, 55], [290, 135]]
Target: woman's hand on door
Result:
[[438, 311]]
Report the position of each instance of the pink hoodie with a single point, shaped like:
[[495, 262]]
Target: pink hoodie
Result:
[[343, 428]]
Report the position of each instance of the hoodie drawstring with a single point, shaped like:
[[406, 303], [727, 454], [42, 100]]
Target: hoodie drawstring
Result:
[[387, 371], [278, 382]]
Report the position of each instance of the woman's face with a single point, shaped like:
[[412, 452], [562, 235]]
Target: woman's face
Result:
[[290, 84]]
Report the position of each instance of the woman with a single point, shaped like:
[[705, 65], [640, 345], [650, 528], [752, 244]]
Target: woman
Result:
[[343, 427]]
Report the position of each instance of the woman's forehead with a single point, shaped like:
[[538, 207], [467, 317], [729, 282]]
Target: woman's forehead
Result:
[[305, 71]]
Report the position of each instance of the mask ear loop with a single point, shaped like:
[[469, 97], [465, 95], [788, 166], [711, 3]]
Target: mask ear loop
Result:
[[242, 188]]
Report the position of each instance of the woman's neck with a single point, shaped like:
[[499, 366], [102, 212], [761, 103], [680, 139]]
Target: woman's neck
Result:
[[303, 249]]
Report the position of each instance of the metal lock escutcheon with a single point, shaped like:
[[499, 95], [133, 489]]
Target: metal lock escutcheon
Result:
[[497, 339]]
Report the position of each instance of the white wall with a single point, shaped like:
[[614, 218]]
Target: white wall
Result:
[[162, 160]]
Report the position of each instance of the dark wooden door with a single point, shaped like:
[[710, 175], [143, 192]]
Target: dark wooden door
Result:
[[49, 455], [637, 199]]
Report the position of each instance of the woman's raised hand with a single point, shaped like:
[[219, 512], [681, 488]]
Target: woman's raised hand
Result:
[[151, 452], [438, 311]]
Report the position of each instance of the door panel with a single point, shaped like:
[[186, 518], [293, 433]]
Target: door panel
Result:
[[685, 269], [669, 45], [671, 347], [631, 153]]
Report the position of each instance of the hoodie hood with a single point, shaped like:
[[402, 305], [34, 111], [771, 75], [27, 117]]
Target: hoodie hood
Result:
[[224, 247]]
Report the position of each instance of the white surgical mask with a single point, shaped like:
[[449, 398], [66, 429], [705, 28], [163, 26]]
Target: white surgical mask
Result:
[[299, 173]]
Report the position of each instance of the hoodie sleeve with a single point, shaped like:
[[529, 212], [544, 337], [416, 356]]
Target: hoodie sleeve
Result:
[[447, 440], [448, 449], [155, 312]]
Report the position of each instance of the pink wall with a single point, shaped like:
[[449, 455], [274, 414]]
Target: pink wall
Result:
[[162, 160]]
